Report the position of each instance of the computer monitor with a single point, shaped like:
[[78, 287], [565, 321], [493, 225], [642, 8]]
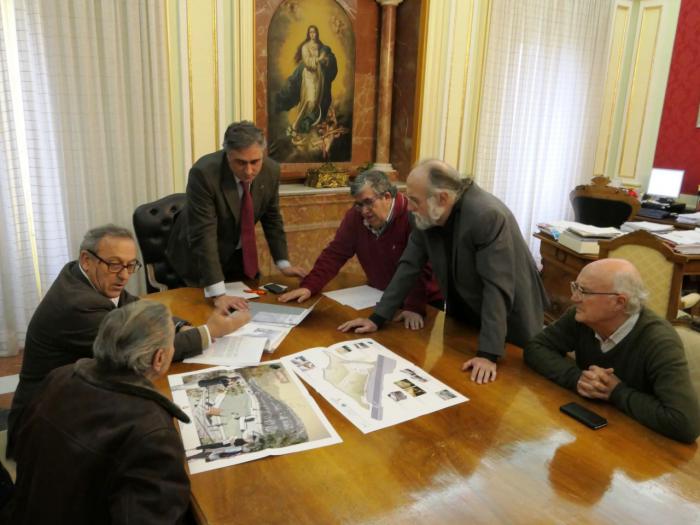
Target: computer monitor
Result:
[[665, 183]]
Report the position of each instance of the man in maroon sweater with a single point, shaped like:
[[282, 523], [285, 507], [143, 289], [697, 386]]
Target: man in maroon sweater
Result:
[[376, 229]]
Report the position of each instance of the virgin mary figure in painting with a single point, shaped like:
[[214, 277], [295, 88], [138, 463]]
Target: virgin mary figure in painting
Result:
[[309, 86]]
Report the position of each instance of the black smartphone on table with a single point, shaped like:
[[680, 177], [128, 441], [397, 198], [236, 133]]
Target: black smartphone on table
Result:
[[275, 288], [583, 415]]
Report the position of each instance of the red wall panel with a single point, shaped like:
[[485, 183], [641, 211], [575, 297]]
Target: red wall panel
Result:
[[678, 145]]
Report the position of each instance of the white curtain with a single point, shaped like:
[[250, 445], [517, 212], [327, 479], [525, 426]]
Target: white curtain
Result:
[[542, 98], [85, 135]]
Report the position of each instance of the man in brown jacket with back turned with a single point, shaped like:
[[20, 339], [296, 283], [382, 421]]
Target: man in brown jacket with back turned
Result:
[[97, 444]]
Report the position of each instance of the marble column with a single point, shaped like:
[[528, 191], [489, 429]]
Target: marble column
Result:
[[386, 78]]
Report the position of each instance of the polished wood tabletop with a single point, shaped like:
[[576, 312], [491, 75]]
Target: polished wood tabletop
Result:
[[506, 456]]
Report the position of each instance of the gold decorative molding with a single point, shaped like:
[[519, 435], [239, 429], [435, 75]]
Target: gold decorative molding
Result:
[[451, 63], [215, 45], [420, 82], [636, 81], [611, 103], [189, 76]]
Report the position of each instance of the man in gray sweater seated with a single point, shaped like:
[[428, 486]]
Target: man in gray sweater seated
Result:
[[625, 354]]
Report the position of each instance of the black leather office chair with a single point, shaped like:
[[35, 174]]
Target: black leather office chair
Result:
[[602, 205], [152, 224]]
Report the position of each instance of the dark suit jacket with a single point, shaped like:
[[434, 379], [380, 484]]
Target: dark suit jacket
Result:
[[492, 270], [96, 447], [205, 235], [63, 329]]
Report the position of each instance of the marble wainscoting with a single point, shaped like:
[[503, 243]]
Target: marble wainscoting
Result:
[[311, 218]]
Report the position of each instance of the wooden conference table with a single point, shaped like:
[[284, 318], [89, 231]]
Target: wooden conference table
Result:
[[506, 456]]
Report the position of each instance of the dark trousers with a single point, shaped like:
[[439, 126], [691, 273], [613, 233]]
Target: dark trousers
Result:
[[233, 269]]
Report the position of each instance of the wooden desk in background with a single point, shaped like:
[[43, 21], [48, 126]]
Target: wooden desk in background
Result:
[[506, 456], [670, 221], [561, 265]]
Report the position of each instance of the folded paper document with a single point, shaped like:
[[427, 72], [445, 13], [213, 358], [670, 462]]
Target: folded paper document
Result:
[[278, 314], [244, 413], [370, 385]]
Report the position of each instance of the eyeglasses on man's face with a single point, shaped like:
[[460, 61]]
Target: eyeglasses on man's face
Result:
[[577, 289], [113, 267], [366, 203]]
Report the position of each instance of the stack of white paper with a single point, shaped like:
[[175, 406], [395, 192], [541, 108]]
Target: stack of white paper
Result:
[[358, 297], [554, 228], [653, 227], [231, 350], [689, 218], [588, 230], [237, 288], [684, 241]]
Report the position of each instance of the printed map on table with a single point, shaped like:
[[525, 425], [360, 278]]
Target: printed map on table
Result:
[[245, 413], [371, 385]]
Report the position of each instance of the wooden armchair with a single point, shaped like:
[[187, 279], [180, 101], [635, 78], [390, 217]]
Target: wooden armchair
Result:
[[602, 205], [660, 266]]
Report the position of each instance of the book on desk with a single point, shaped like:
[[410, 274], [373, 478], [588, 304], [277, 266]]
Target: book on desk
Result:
[[579, 243]]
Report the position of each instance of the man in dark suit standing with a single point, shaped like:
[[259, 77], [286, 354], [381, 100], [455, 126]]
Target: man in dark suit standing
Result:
[[480, 259], [228, 191]]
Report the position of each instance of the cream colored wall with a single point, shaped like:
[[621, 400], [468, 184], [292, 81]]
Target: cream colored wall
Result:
[[641, 45], [640, 58], [451, 79], [618, 63], [210, 57]]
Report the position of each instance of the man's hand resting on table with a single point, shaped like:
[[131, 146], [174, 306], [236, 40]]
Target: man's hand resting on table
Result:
[[361, 325], [293, 271], [411, 320], [300, 295], [597, 383], [224, 304], [221, 324], [483, 370]]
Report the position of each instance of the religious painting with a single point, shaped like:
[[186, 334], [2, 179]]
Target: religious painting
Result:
[[311, 78]]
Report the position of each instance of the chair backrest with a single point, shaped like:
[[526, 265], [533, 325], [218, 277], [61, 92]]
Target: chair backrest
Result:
[[661, 268], [602, 205], [152, 224], [691, 344]]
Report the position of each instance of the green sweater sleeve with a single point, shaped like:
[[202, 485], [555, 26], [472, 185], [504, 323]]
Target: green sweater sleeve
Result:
[[672, 409], [546, 353]]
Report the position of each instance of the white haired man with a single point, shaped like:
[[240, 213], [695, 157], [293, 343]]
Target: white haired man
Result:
[[483, 266], [97, 444], [625, 354]]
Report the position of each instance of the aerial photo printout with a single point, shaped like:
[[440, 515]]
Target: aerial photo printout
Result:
[[370, 385], [245, 413]]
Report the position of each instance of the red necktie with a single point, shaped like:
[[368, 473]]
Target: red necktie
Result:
[[250, 251]]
